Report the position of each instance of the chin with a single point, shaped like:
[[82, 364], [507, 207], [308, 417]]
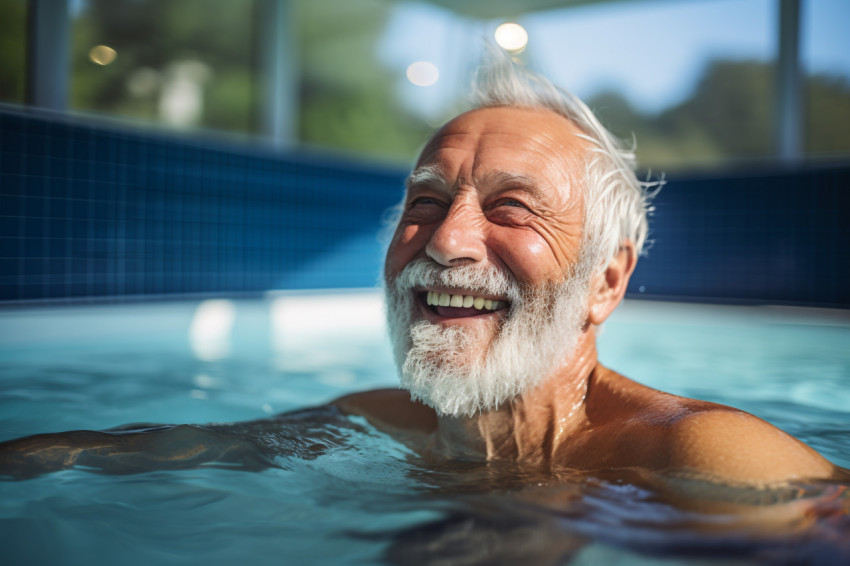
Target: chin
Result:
[[462, 361]]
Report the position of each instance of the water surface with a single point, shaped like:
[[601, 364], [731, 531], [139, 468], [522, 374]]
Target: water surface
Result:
[[365, 498]]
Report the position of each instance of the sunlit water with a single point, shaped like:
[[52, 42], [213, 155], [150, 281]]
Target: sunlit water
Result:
[[366, 498]]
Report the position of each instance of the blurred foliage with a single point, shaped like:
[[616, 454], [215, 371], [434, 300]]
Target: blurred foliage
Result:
[[348, 101], [729, 118], [153, 35], [13, 27], [828, 115], [347, 98]]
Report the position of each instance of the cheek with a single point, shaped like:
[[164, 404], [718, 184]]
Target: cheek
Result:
[[539, 259], [564, 248], [535, 257], [563, 242], [407, 242], [537, 248]]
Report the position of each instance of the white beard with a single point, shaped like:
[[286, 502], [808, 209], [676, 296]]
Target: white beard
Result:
[[459, 371]]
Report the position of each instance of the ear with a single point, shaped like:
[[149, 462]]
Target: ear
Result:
[[609, 286]]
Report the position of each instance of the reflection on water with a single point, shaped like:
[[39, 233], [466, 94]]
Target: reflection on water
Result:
[[361, 495], [322, 486], [329, 490], [210, 329], [505, 513]]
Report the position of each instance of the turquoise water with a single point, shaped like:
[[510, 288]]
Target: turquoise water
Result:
[[366, 498]]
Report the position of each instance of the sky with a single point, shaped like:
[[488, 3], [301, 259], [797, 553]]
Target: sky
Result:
[[650, 51]]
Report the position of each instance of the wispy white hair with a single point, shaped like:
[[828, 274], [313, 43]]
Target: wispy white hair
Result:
[[616, 203]]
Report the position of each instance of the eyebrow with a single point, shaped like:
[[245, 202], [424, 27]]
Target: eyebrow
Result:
[[426, 175], [432, 175]]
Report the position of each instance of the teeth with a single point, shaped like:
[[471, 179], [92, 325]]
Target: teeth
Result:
[[465, 301]]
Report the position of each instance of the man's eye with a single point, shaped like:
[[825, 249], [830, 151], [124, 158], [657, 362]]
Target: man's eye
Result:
[[423, 201], [511, 202]]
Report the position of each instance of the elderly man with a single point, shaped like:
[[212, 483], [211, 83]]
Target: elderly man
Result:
[[520, 227]]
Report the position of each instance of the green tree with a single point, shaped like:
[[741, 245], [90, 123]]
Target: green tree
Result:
[[153, 34], [733, 104], [729, 118], [13, 15], [347, 99], [828, 115]]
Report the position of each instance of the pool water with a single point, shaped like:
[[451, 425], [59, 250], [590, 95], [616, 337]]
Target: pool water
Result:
[[367, 498]]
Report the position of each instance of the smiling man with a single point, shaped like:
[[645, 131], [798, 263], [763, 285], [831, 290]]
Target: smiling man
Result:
[[520, 227], [521, 224]]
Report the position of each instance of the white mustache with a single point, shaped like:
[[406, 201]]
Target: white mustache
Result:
[[484, 280]]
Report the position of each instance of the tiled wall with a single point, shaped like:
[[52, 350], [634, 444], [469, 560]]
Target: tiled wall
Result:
[[772, 237], [89, 211]]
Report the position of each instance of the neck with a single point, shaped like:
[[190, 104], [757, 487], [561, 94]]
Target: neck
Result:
[[532, 426]]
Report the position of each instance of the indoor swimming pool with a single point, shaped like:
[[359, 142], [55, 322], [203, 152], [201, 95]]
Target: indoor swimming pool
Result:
[[367, 498]]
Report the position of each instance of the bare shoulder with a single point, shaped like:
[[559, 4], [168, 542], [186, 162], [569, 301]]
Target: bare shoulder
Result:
[[734, 446], [700, 439], [390, 409]]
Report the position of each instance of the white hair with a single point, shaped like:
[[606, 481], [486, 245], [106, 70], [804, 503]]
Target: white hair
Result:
[[616, 203]]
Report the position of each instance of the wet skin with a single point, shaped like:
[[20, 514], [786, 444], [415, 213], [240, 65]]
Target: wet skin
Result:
[[510, 196], [504, 188]]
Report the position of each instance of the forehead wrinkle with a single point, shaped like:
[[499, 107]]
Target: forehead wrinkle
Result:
[[563, 155], [432, 176], [508, 180]]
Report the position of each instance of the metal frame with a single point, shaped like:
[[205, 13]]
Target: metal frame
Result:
[[48, 57], [280, 67], [789, 103]]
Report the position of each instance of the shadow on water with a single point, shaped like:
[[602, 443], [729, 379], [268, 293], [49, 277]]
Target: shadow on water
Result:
[[366, 489], [462, 512], [559, 522]]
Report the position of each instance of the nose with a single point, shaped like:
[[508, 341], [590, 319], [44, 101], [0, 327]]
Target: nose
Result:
[[459, 239]]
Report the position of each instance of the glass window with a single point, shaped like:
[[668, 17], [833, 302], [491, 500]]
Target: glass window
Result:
[[693, 81]]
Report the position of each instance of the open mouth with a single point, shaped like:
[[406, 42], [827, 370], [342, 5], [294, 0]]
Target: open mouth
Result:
[[460, 305]]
